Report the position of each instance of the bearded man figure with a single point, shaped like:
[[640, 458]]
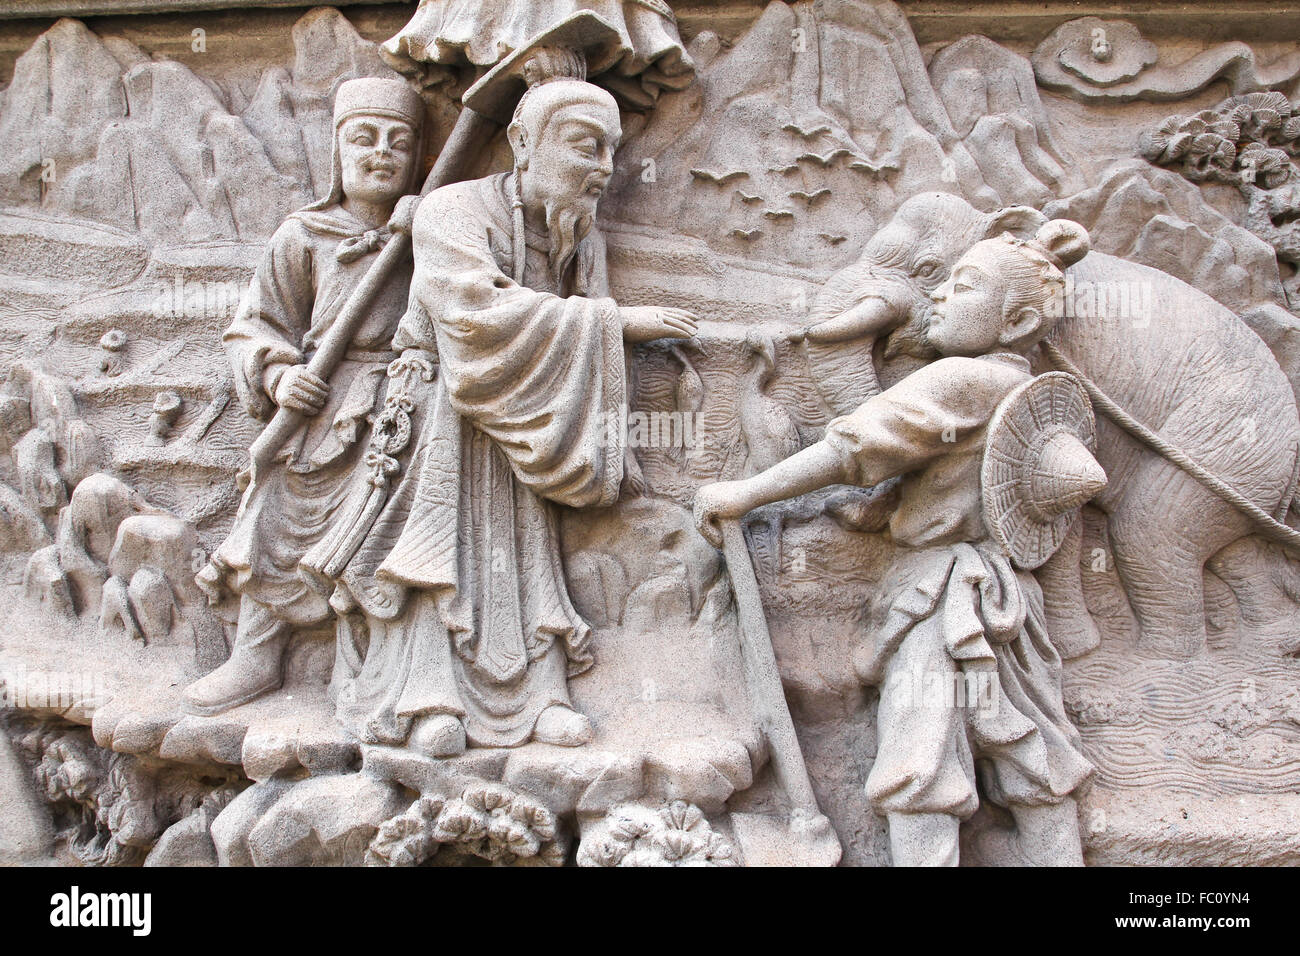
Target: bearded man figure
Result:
[[311, 265], [456, 625]]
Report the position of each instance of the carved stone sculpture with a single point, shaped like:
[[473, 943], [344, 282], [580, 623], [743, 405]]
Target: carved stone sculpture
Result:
[[1126, 345], [313, 262], [460, 627], [1249, 142], [954, 607], [1109, 60], [364, 371]]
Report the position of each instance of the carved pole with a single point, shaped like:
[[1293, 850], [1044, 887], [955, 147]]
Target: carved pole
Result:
[[767, 694]]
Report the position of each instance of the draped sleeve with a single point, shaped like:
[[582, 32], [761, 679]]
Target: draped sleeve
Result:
[[273, 317], [540, 374], [925, 416]]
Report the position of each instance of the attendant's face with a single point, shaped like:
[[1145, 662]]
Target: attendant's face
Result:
[[377, 155], [573, 158], [968, 315]]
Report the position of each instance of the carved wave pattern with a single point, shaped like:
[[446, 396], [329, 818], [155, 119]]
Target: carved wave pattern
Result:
[[1225, 724]]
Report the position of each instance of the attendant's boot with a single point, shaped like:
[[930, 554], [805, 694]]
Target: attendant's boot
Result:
[[255, 666], [438, 735], [562, 726]]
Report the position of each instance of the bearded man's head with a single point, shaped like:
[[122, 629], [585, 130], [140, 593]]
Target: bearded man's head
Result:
[[564, 135]]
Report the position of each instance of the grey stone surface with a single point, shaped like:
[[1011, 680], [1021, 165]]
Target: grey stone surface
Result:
[[736, 434]]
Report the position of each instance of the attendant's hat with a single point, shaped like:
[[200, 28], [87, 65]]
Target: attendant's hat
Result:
[[371, 96]]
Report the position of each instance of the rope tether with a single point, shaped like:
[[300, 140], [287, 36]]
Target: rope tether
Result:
[[1283, 534]]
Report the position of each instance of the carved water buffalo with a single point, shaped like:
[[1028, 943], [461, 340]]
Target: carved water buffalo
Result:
[[1175, 359]]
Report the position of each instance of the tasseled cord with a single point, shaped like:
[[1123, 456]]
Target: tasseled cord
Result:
[[517, 218]]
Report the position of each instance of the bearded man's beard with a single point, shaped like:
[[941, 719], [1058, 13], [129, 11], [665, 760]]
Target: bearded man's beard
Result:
[[568, 221]]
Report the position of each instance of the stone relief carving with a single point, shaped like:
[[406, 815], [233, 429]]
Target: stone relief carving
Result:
[[1248, 142], [675, 835], [489, 822], [648, 435], [954, 608], [1099, 60], [1112, 344], [301, 290]]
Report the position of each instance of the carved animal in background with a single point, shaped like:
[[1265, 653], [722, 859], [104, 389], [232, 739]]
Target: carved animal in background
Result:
[[768, 432], [688, 398], [1179, 362]]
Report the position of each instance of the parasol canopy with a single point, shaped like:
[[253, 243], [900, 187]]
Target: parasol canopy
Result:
[[647, 58]]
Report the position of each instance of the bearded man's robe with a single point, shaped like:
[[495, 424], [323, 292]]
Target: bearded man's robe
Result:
[[446, 562]]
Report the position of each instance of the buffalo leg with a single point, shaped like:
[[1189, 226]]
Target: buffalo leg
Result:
[[1069, 624], [1159, 535]]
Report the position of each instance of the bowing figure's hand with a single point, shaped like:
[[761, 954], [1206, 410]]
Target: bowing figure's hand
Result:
[[645, 323], [721, 501]]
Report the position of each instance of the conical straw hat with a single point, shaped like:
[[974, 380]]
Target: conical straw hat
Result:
[[1038, 466]]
